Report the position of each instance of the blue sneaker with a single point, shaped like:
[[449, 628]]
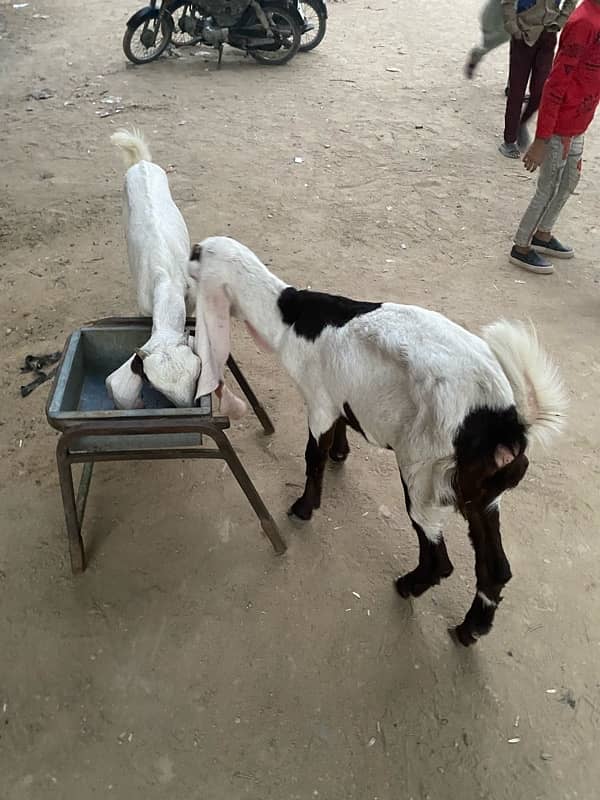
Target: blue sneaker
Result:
[[531, 261], [552, 248]]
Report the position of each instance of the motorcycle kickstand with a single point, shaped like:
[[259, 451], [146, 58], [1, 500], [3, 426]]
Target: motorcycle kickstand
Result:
[[220, 56]]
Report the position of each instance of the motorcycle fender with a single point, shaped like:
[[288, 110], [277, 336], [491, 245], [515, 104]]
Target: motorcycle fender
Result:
[[322, 7], [291, 7], [142, 15]]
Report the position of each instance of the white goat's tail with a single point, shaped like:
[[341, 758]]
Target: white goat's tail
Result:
[[540, 396], [133, 146]]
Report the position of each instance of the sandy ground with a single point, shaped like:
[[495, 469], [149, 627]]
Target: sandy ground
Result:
[[188, 661]]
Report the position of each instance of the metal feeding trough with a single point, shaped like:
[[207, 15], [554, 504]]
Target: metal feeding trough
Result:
[[93, 430]]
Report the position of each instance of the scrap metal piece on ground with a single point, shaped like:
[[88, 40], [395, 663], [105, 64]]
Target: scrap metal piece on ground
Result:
[[36, 364]]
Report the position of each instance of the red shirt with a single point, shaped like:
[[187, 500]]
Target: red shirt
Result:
[[572, 91]]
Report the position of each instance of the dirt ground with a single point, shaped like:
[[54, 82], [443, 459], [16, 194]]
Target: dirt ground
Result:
[[188, 661]]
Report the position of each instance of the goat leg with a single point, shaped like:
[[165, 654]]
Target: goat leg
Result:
[[434, 562], [340, 448], [492, 570], [316, 457]]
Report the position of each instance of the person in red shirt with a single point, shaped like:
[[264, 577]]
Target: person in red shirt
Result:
[[569, 102]]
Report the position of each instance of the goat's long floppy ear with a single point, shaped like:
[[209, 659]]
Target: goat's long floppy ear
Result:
[[229, 403], [124, 386], [212, 338]]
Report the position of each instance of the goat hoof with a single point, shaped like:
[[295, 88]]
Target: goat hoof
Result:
[[463, 635], [408, 586], [339, 457], [443, 568], [402, 587], [300, 512], [445, 572], [298, 521]]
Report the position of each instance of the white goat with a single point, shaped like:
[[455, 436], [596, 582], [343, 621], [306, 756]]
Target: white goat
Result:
[[456, 409], [158, 248]]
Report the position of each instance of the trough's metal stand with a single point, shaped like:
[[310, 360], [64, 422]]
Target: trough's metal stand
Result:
[[72, 449], [259, 410]]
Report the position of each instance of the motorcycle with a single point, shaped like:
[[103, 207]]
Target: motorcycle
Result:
[[313, 12], [268, 30]]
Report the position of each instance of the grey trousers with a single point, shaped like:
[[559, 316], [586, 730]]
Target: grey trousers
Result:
[[559, 176], [492, 31]]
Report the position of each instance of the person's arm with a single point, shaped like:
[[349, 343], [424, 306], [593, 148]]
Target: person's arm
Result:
[[509, 12], [565, 12], [573, 42]]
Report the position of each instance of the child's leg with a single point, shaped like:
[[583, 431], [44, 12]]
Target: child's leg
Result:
[[568, 183], [521, 59], [548, 183], [542, 64]]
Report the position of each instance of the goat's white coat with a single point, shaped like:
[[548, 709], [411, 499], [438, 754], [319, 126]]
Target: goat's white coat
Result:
[[158, 246], [410, 375]]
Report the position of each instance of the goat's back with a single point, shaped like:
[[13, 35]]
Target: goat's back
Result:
[[410, 375], [158, 241]]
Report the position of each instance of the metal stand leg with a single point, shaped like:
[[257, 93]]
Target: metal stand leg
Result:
[[72, 518], [84, 488], [235, 465], [258, 409]]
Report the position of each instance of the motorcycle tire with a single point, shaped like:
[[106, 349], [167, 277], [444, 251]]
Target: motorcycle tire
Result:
[[166, 31], [279, 56], [312, 39]]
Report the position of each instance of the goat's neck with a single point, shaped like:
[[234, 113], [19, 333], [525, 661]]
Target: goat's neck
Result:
[[168, 313], [254, 294]]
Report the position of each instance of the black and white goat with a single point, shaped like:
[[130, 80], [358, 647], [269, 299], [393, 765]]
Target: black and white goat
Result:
[[457, 410], [158, 247]]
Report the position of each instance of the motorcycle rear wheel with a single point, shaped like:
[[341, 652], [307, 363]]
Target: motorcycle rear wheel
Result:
[[148, 39], [313, 14], [287, 30]]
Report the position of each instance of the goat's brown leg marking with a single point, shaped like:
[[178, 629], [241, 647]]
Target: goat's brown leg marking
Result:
[[492, 570], [434, 562], [316, 456], [340, 448]]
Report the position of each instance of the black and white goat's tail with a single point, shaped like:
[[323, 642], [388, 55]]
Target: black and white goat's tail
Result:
[[133, 146], [540, 396]]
